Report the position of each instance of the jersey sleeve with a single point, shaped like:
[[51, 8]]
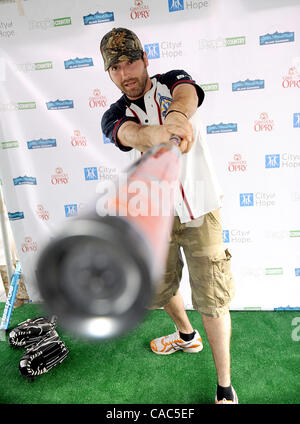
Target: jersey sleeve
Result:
[[111, 121], [173, 78]]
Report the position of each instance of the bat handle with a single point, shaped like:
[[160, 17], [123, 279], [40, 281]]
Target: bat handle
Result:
[[176, 139]]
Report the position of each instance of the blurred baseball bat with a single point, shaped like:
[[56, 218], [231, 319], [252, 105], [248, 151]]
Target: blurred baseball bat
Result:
[[98, 276]]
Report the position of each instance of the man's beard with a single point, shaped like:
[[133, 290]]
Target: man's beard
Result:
[[136, 90]]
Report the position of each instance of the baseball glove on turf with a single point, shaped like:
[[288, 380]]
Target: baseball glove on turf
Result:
[[31, 331], [43, 356]]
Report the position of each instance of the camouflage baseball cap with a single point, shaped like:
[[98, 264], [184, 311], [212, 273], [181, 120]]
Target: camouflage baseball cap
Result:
[[118, 45]]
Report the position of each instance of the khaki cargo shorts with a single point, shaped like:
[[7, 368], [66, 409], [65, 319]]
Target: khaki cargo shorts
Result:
[[212, 286]]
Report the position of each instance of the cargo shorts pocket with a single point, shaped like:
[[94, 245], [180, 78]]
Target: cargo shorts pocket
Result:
[[222, 279]]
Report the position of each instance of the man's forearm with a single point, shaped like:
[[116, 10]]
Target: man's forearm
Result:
[[185, 100], [140, 137]]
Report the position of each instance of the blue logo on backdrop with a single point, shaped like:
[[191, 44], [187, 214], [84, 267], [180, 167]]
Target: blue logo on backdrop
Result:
[[297, 272], [106, 140], [13, 216], [277, 37], [226, 237], [41, 143], [91, 173], [272, 161], [221, 128], [98, 18], [70, 210], [175, 5], [78, 63], [152, 50], [60, 104], [24, 180], [296, 120], [248, 85], [246, 199]]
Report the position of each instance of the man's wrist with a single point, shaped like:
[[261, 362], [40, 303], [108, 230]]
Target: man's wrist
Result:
[[177, 111]]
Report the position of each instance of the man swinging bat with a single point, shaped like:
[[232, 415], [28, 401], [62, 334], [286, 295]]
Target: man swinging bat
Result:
[[150, 110]]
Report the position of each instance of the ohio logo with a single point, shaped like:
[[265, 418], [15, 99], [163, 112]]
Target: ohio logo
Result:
[[237, 164], [59, 177], [97, 100], [272, 161], [277, 37], [221, 128], [292, 80], [14, 216], [248, 85], [25, 180], [296, 120], [78, 63], [263, 123], [71, 210], [164, 103], [29, 245], [140, 10], [152, 50], [78, 140], [42, 213], [98, 18], [91, 173], [60, 104], [41, 143]]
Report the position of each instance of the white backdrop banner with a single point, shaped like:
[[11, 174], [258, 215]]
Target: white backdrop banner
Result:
[[54, 91]]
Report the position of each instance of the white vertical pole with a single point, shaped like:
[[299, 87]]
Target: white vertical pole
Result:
[[5, 237]]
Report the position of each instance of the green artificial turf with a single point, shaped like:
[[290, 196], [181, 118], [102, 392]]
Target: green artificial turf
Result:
[[265, 365]]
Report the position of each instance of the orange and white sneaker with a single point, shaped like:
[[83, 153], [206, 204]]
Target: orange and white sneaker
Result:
[[226, 401], [172, 343]]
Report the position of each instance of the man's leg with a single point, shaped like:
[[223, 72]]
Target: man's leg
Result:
[[218, 331], [175, 308]]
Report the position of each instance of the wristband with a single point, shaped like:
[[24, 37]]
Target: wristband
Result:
[[178, 111]]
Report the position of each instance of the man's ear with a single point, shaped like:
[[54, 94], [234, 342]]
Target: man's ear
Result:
[[145, 59]]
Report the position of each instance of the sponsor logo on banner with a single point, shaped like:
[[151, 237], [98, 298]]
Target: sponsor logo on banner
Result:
[[152, 50], [78, 63], [30, 67], [41, 143], [29, 245], [105, 139], [91, 173], [297, 272], [7, 29], [107, 173], [292, 80], [140, 10], [9, 144], [276, 37], [59, 177], [248, 85], [285, 160], [237, 164], [24, 180], [222, 42], [60, 104], [78, 140], [213, 86], [98, 18], [179, 5], [48, 23], [221, 128], [259, 199], [14, 216], [272, 161], [71, 210], [294, 233], [13, 106], [296, 120], [263, 123], [164, 103], [42, 213], [274, 271], [236, 236], [281, 234], [97, 100]]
